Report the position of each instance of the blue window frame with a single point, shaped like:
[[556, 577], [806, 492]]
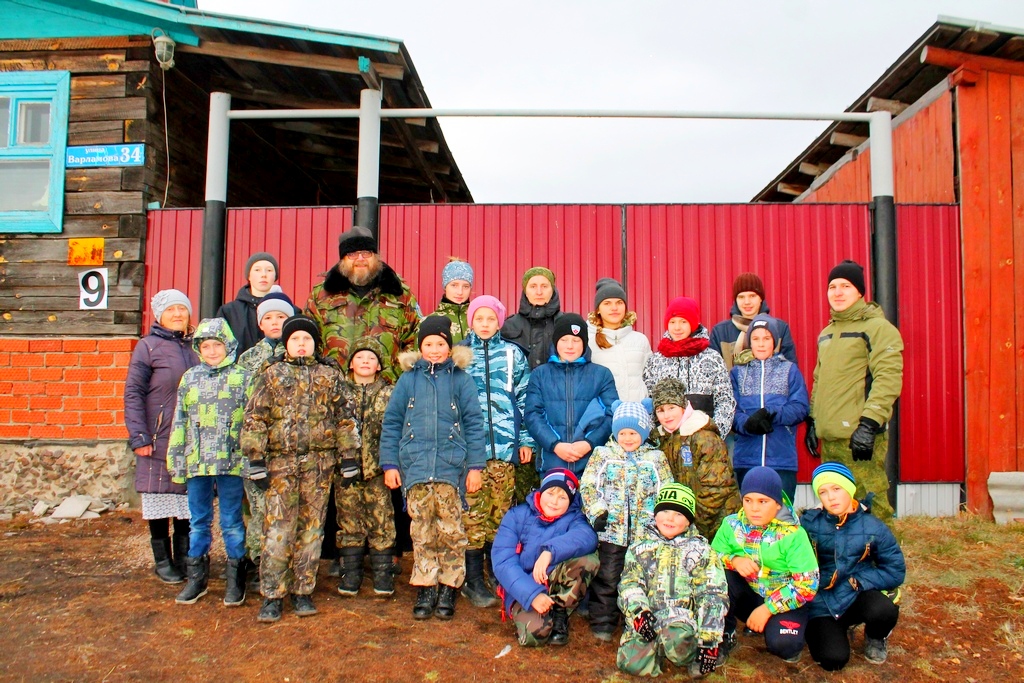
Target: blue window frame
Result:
[[33, 140]]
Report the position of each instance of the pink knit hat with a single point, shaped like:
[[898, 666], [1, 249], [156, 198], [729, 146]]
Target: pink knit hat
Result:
[[486, 301]]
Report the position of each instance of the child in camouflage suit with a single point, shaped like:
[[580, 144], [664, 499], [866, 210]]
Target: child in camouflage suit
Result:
[[502, 375], [673, 593], [299, 420], [203, 451], [365, 512]]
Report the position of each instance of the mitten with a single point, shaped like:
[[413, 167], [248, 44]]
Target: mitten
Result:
[[862, 443], [643, 624], [258, 474], [707, 658], [600, 522], [760, 422], [348, 471], [811, 439]]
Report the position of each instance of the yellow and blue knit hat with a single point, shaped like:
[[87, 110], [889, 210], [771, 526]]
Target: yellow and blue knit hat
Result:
[[676, 497], [834, 473]]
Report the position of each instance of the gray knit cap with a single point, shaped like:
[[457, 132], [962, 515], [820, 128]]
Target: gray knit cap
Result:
[[166, 298]]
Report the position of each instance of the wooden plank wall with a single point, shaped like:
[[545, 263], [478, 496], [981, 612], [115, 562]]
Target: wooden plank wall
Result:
[[923, 159], [990, 118]]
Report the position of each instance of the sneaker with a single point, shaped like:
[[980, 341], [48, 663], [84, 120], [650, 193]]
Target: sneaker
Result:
[[725, 647], [303, 606], [270, 611], [876, 650], [795, 659]]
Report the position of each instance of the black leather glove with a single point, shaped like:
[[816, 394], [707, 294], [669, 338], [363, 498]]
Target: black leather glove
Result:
[[600, 522], [760, 422], [862, 443], [811, 439], [643, 624], [707, 658], [258, 474], [348, 472]]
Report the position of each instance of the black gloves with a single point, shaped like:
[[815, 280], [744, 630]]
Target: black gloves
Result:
[[707, 658], [258, 474], [862, 443], [811, 439], [643, 624], [760, 422], [600, 522], [348, 472]]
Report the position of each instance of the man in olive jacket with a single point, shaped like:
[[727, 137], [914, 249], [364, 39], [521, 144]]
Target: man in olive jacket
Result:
[[857, 379]]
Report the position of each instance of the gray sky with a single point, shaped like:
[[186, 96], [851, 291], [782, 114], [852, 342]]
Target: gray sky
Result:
[[786, 55]]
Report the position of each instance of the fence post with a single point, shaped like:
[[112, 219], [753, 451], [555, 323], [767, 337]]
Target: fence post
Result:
[[211, 278]]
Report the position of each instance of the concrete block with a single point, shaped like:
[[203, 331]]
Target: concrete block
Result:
[[1007, 492], [89, 514], [72, 507], [40, 509]]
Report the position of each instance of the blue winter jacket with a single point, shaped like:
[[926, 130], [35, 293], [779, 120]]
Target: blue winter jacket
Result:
[[726, 333], [775, 384], [568, 402], [433, 430], [861, 548], [523, 536]]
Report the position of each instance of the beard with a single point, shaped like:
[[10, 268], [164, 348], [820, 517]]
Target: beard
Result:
[[363, 277]]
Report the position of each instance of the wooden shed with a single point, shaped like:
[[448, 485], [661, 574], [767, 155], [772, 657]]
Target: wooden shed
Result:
[[957, 96]]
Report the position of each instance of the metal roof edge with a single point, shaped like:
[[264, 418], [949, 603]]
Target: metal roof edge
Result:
[[979, 25]]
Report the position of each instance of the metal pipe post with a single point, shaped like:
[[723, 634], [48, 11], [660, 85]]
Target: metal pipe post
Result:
[[211, 281], [368, 179]]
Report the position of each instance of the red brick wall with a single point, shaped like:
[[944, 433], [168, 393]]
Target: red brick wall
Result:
[[63, 388]]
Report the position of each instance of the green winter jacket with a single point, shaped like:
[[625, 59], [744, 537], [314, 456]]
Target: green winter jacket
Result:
[[388, 312], [208, 418], [859, 372], [457, 314], [678, 580]]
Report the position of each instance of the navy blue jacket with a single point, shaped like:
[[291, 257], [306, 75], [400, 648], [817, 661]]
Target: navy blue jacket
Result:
[[725, 333], [561, 407], [775, 384], [861, 548], [523, 536], [433, 429]]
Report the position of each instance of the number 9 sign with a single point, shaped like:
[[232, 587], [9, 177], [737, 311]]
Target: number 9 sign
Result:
[[92, 289]]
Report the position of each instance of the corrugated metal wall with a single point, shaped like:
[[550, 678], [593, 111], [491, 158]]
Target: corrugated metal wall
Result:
[[923, 153], [692, 250]]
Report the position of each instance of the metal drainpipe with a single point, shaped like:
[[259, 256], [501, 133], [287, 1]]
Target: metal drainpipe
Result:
[[884, 265], [368, 179], [211, 290]]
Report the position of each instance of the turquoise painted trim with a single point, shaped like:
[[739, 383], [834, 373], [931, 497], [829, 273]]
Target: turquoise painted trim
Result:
[[28, 19], [56, 86]]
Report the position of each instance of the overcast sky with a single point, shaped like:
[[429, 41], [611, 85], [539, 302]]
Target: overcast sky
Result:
[[784, 56]]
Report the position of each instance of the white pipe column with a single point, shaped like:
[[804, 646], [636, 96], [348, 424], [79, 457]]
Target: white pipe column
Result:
[[368, 179], [211, 289]]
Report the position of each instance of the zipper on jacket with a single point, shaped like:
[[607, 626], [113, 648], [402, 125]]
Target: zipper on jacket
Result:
[[764, 437], [487, 384]]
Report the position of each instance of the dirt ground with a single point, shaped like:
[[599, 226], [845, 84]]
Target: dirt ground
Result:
[[78, 602]]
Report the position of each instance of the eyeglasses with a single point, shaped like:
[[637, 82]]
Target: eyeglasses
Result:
[[361, 255]]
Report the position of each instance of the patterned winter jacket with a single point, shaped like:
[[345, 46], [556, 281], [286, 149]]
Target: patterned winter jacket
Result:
[[388, 312], [457, 314], [703, 375], [725, 334], [502, 375], [370, 401], [298, 407], [433, 430], [777, 385], [524, 535], [855, 553], [255, 358], [626, 358], [625, 486], [698, 458], [680, 580], [211, 407], [789, 571]]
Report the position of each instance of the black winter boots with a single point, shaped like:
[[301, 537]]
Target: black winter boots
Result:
[[165, 569], [351, 560], [234, 590], [198, 571], [559, 626], [383, 579], [446, 596], [426, 601], [303, 605], [270, 611], [475, 588], [180, 544]]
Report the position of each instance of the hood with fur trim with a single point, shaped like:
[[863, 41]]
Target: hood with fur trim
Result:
[[388, 281], [461, 357]]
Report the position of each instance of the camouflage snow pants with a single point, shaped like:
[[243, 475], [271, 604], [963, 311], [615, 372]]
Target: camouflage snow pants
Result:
[[294, 528], [488, 505], [676, 642], [567, 584], [527, 479], [870, 474], [438, 537], [365, 513], [257, 513]]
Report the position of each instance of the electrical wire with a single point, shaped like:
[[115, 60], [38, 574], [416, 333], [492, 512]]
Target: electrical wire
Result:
[[167, 143]]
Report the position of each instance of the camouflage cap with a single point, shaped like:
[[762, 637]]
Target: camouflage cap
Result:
[[370, 344], [669, 391]]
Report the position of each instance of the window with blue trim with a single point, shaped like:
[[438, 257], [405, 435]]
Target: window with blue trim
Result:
[[33, 139]]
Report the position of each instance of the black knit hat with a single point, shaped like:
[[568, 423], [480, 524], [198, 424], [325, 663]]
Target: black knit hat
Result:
[[356, 239], [298, 323], [435, 324], [608, 288], [570, 324], [849, 270]]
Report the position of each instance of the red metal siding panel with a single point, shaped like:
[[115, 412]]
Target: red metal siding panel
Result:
[[173, 251]]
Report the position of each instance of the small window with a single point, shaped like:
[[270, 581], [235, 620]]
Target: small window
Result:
[[33, 140]]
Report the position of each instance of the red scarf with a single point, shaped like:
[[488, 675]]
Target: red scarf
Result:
[[688, 347]]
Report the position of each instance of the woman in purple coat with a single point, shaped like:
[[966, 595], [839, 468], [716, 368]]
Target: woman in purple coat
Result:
[[150, 394]]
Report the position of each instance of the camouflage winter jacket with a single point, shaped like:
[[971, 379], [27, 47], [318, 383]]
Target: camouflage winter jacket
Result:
[[208, 417], [388, 312], [680, 580], [502, 375], [624, 485], [255, 358], [299, 406], [370, 402], [457, 314], [698, 458]]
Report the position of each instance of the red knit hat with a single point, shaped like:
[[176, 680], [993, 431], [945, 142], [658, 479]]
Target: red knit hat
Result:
[[747, 282], [683, 307]]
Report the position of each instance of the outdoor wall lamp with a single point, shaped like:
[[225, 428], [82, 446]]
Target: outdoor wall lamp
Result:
[[163, 44]]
